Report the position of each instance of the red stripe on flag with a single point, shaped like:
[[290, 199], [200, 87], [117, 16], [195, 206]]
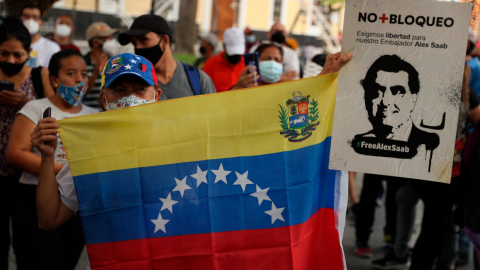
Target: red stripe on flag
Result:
[[314, 244]]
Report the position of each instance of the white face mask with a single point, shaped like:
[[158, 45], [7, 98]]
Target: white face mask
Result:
[[32, 26], [270, 70], [63, 30], [126, 102], [110, 47]]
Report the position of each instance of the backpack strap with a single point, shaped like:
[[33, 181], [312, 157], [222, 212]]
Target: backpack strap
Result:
[[37, 81], [193, 79]]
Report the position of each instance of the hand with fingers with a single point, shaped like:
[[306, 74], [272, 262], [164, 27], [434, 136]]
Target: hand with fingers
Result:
[[44, 136], [13, 98], [335, 62], [100, 62], [247, 78]]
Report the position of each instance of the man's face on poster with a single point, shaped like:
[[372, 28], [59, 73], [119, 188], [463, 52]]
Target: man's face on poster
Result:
[[391, 101]]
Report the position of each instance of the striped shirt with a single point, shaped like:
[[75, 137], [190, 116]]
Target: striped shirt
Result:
[[92, 99]]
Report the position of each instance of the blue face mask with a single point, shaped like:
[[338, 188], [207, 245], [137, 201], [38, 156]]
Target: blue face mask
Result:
[[270, 71], [250, 39], [74, 94]]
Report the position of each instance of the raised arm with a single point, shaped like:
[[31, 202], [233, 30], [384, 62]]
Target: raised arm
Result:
[[99, 63], [51, 211], [19, 150], [335, 62]]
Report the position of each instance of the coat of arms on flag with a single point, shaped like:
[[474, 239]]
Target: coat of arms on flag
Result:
[[295, 120], [206, 182]]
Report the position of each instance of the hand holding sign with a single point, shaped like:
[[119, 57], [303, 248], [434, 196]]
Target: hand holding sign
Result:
[[335, 62]]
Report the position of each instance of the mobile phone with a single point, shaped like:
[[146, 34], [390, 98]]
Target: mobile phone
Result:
[[252, 60], [47, 113], [6, 85]]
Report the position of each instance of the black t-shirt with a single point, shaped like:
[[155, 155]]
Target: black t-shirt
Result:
[[473, 98]]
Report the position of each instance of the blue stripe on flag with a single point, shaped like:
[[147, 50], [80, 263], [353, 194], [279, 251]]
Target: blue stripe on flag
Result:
[[120, 205]]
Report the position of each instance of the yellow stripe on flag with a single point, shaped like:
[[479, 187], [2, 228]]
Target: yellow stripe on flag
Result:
[[229, 124]]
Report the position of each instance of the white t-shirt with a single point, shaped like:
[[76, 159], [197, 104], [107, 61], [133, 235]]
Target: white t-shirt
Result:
[[42, 51], [66, 187], [33, 110], [290, 59]]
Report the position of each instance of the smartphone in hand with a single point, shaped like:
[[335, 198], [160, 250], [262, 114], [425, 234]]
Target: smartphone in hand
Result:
[[47, 113], [6, 85], [251, 59]]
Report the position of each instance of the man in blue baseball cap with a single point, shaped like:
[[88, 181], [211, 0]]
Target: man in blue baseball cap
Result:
[[127, 80], [128, 72], [152, 39]]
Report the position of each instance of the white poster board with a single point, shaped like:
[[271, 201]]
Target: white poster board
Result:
[[398, 98]]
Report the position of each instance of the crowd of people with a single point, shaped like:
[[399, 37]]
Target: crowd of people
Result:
[[37, 191]]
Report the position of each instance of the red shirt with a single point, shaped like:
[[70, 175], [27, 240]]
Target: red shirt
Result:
[[223, 74], [67, 46]]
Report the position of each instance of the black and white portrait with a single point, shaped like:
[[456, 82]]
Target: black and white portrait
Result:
[[397, 100], [392, 87]]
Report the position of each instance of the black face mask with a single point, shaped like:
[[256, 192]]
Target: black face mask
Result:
[[11, 69], [234, 59], [153, 54], [278, 37], [203, 50]]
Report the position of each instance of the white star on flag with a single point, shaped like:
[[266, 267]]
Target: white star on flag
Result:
[[133, 61], [181, 185], [138, 58], [221, 174], [275, 213], [128, 67], [261, 195], [242, 180], [160, 223], [168, 203], [201, 176]]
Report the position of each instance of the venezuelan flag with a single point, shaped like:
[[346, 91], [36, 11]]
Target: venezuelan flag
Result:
[[234, 180]]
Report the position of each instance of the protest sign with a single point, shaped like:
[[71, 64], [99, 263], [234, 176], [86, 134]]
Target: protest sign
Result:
[[234, 180], [397, 100]]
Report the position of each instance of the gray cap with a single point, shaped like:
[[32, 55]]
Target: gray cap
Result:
[[211, 39]]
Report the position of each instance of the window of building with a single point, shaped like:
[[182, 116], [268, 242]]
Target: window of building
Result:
[[277, 10]]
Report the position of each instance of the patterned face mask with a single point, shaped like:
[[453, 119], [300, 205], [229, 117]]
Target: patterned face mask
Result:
[[128, 101], [74, 94]]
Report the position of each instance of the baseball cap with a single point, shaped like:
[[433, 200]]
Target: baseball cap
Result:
[[211, 39], [471, 36], [99, 29], [234, 41], [128, 63], [144, 24]]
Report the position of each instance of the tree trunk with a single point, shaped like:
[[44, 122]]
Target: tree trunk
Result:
[[186, 28]]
